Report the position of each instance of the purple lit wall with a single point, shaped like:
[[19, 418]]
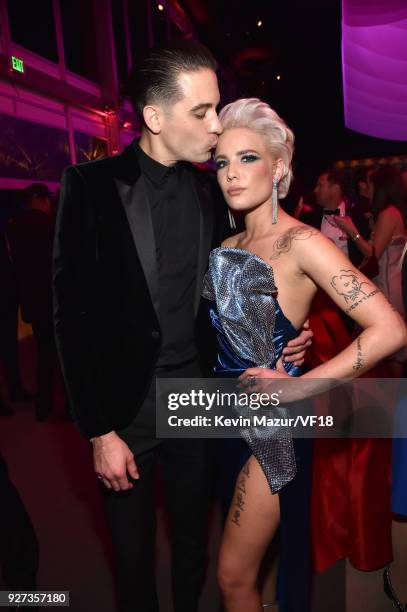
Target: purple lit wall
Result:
[[374, 60]]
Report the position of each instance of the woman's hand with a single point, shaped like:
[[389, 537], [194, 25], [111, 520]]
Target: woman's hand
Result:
[[258, 380], [346, 224]]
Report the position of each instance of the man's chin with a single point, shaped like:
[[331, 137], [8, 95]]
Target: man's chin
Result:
[[206, 156], [198, 158]]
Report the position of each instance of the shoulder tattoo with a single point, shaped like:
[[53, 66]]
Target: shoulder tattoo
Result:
[[284, 242]]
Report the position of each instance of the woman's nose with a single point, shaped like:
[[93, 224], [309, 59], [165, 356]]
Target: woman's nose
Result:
[[231, 172]]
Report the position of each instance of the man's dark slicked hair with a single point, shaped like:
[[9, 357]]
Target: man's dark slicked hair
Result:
[[335, 177], [155, 78]]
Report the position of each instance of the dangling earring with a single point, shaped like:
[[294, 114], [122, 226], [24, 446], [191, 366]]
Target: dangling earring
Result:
[[274, 200], [232, 222]]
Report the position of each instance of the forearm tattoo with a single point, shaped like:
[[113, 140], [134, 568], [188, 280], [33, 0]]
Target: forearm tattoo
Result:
[[284, 242], [348, 284], [360, 362], [240, 494]]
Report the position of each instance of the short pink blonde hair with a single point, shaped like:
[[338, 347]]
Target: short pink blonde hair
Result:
[[256, 115]]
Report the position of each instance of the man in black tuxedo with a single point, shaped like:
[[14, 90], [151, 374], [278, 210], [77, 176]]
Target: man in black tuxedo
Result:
[[331, 202], [133, 237]]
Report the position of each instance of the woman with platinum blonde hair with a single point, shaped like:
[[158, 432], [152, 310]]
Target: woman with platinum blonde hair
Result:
[[260, 285]]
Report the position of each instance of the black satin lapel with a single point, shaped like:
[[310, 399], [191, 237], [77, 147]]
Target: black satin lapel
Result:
[[136, 206], [205, 237]]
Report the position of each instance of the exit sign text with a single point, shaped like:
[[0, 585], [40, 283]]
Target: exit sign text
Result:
[[17, 64]]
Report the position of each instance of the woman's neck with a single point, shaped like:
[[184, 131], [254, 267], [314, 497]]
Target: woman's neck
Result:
[[258, 223]]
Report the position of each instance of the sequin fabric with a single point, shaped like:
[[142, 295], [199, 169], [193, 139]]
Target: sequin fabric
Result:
[[242, 286]]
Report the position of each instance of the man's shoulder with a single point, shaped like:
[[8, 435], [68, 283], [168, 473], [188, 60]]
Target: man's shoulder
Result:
[[123, 166], [100, 166]]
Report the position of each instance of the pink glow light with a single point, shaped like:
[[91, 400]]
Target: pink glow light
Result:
[[374, 62]]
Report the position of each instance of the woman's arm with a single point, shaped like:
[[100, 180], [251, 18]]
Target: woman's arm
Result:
[[347, 225], [384, 331], [382, 234]]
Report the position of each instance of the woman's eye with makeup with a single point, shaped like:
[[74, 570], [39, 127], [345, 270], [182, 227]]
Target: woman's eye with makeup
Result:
[[249, 157], [220, 163], [200, 116]]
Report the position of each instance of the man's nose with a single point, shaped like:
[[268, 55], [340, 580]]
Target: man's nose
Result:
[[216, 126]]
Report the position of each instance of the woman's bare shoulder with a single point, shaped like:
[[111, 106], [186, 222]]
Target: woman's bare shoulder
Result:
[[390, 214], [293, 235]]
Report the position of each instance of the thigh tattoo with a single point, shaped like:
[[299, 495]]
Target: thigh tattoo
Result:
[[239, 500]]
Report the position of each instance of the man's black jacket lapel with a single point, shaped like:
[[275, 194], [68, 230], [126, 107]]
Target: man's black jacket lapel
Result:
[[138, 213], [206, 204]]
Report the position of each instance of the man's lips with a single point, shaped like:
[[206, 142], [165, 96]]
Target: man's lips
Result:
[[235, 190]]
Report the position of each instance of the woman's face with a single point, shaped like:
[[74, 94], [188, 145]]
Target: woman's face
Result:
[[245, 168]]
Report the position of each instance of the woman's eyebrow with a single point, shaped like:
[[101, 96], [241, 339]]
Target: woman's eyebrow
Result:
[[247, 151]]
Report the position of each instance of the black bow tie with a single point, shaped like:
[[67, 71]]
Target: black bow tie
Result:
[[327, 211]]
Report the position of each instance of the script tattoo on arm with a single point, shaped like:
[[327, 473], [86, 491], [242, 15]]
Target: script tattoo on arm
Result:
[[360, 362], [284, 242], [240, 494], [354, 291]]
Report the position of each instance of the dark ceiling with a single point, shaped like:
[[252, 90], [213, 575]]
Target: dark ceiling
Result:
[[299, 41]]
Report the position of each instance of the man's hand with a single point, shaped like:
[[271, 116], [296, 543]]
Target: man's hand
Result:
[[114, 461], [296, 348]]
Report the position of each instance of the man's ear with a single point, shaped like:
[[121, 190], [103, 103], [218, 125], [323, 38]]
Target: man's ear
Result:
[[152, 118], [336, 189]]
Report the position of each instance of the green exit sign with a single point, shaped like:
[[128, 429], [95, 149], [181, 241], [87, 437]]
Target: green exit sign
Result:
[[17, 64]]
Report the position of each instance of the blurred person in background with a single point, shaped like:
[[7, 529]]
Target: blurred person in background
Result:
[[332, 203], [9, 328], [31, 238], [361, 196], [296, 203]]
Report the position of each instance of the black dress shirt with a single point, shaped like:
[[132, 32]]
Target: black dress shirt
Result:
[[175, 218]]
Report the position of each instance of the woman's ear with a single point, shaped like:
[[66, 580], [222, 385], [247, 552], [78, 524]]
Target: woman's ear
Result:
[[278, 170], [151, 116]]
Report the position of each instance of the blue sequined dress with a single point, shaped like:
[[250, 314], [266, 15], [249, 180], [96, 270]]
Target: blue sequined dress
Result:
[[252, 331]]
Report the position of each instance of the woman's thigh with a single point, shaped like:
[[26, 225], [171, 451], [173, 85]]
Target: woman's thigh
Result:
[[252, 521]]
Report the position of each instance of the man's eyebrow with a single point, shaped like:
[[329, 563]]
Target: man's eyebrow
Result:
[[198, 107]]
